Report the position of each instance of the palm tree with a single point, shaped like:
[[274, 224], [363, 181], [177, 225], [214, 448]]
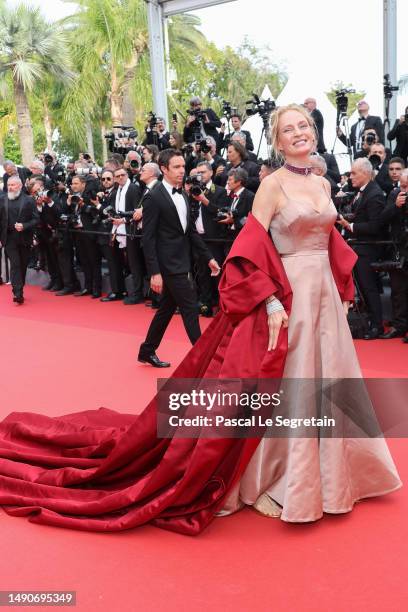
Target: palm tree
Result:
[[30, 49]]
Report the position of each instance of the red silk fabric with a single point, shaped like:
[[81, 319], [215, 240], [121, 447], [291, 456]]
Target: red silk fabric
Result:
[[101, 470]]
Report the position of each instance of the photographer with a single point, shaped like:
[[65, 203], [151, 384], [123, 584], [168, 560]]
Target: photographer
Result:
[[400, 133], [45, 232], [364, 223], [127, 199], [241, 202], [156, 133], [237, 158], [53, 170], [207, 201], [176, 140], [377, 157], [224, 139], [205, 150], [110, 248], [200, 122], [395, 169], [365, 122], [132, 165], [311, 105], [395, 214], [10, 169], [241, 138], [150, 153]]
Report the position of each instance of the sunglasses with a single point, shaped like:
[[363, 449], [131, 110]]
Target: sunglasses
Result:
[[107, 178]]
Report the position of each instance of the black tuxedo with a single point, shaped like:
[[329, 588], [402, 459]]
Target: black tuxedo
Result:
[[371, 122], [217, 199], [319, 121], [241, 209], [22, 173], [400, 132], [224, 140], [332, 167], [383, 178], [162, 140], [367, 225], [18, 244], [397, 219], [210, 128], [253, 175], [167, 249]]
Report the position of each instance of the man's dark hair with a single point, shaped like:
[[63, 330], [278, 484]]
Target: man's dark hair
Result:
[[206, 164], [80, 178], [397, 160], [239, 174], [239, 149], [236, 115], [166, 155]]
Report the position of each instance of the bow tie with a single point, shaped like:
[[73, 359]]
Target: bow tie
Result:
[[175, 190], [362, 118], [234, 196]]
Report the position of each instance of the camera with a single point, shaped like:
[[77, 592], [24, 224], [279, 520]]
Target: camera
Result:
[[197, 185], [48, 159], [202, 145], [388, 88], [115, 139], [344, 202], [197, 113], [76, 199], [69, 220], [89, 170], [222, 214], [262, 107], [134, 163], [228, 110], [342, 103], [152, 120], [370, 138], [375, 161]]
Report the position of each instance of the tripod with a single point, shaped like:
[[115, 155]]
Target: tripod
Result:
[[264, 133], [342, 119]]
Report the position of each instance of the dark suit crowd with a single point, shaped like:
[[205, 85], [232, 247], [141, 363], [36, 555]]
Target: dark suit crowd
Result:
[[72, 220]]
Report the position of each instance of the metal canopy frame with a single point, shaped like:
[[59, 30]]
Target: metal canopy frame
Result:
[[159, 10]]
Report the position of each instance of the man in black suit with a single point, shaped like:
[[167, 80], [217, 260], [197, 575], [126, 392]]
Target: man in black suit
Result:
[[367, 209], [241, 202], [18, 218], [10, 169], [395, 214], [205, 207], [224, 139], [157, 134], [364, 122], [400, 132], [311, 105], [126, 199], [203, 122], [377, 157], [168, 238]]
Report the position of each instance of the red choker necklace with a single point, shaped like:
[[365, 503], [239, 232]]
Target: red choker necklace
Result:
[[296, 170]]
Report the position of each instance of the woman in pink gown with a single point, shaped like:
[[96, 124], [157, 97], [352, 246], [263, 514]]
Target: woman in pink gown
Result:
[[299, 479], [103, 471]]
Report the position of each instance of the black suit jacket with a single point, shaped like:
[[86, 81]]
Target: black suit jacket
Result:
[[167, 248], [243, 208], [383, 178], [400, 132], [28, 216], [396, 218], [368, 222], [210, 128], [372, 122], [217, 198]]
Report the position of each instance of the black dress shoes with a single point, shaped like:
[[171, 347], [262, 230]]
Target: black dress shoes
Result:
[[405, 339], [18, 299], [391, 333], [81, 293], [49, 287], [65, 291], [374, 333], [96, 295], [130, 300], [111, 297], [153, 360]]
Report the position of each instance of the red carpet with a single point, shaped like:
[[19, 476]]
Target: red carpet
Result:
[[61, 355]]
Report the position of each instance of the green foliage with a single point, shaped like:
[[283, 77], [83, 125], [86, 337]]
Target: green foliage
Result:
[[106, 43], [353, 98], [12, 149]]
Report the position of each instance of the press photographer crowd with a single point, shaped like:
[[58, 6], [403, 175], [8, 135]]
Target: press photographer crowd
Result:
[[163, 212]]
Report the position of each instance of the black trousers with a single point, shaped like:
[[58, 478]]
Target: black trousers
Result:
[[178, 290], [136, 266], [49, 245], [399, 299], [115, 258], [207, 284], [90, 260], [65, 254], [19, 256], [368, 284]]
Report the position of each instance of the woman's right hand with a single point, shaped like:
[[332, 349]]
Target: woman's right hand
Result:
[[276, 320]]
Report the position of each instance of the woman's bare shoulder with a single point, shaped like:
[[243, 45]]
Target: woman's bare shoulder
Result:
[[266, 200]]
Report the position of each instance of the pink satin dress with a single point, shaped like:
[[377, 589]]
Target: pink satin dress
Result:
[[310, 476]]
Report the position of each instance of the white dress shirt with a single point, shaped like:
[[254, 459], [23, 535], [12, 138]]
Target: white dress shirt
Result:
[[120, 206], [179, 203]]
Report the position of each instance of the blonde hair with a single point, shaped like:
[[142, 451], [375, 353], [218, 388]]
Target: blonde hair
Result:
[[274, 125]]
